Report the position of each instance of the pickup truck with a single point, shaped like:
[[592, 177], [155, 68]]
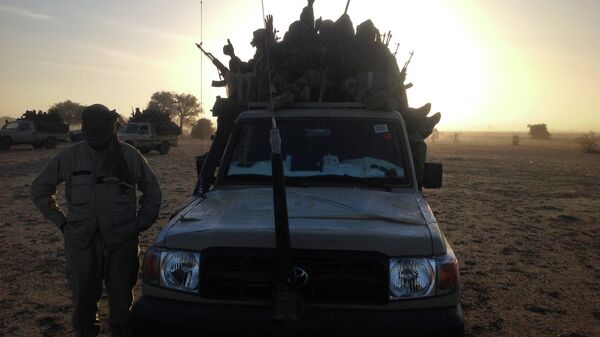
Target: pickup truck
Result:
[[30, 132], [367, 255], [143, 136]]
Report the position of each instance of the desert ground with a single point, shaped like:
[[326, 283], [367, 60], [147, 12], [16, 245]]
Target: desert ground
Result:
[[523, 220]]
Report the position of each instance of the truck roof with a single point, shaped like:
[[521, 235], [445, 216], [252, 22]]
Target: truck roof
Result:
[[344, 109]]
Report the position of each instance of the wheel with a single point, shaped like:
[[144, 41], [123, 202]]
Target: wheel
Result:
[[5, 143], [164, 148], [38, 145], [50, 143]]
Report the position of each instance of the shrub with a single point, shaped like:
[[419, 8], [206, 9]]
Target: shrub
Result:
[[589, 142], [435, 136], [516, 140], [203, 129]]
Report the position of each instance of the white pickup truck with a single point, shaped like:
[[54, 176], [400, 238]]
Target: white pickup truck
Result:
[[32, 133], [367, 254], [143, 136]]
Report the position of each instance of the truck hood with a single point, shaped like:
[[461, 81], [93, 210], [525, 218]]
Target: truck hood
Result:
[[319, 218]]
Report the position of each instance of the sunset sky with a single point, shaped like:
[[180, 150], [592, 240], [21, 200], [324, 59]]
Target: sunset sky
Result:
[[485, 64]]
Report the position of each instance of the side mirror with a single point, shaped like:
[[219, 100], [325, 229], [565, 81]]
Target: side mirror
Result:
[[199, 163], [432, 175]]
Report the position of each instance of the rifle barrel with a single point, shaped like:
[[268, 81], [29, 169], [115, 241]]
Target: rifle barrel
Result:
[[347, 5]]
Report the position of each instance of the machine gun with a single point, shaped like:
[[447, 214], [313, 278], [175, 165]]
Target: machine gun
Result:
[[223, 70], [403, 71]]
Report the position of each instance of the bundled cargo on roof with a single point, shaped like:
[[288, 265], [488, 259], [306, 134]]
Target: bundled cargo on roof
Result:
[[161, 121], [46, 122], [320, 61]]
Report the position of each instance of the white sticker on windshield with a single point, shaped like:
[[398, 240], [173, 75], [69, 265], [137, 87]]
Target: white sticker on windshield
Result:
[[380, 128]]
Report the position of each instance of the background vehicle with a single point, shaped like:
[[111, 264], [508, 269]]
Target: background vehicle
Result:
[[37, 133], [75, 135], [145, 137], [368, 256]]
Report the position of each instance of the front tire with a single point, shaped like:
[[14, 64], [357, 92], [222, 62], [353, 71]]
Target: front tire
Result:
[[164, 147], [50, 143], [5, 143]]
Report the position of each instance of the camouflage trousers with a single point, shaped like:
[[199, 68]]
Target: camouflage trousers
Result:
[[87, 268]]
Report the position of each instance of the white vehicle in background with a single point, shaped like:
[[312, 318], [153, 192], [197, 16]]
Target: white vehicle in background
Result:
[[143, 136], [38, 134]]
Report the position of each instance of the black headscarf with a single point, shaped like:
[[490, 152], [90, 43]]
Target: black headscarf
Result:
[[98, 126]]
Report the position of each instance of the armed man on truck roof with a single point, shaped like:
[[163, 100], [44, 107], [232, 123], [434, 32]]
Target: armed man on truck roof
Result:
[[102, 225]]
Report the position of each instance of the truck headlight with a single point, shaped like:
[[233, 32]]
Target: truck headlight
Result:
[[180, 270], [411, 277]]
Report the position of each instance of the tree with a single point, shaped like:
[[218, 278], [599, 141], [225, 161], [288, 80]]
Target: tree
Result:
[[162, 101], [161, 121], [184, 107], [538, 131], [203, 129], [69, 111]]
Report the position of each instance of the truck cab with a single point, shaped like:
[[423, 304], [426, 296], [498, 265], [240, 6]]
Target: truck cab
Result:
[[144, 137], [27, 132], [367, 253]]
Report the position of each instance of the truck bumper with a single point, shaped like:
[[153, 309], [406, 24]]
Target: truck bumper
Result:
[[153, 316]]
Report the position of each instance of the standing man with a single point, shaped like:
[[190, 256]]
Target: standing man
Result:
[[102, 225]]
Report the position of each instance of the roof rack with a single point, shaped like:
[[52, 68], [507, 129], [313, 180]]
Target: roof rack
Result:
[[310, 105]]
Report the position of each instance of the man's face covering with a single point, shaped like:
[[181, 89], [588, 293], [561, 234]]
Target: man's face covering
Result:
[[98, 126]]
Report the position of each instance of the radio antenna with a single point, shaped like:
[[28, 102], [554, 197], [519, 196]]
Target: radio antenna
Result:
[[201, 71], [285, 299], [202, 58], [264, 18]]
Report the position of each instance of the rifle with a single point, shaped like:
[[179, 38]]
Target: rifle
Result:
[[403, 71], [220, 66], [407, 63]]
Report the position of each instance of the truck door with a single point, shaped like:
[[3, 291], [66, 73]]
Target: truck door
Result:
[[144, 134], [23, 133]]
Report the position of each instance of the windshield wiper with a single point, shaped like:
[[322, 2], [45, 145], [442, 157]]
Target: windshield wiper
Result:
[[306, 181], [351, 179], [260, 179], [368, 182]]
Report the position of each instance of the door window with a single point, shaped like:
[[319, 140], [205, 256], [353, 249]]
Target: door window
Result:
[[143, 130]]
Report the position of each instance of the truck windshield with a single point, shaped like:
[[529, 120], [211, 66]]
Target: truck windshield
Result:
[[333, 150], [11, 126], [129, 128]]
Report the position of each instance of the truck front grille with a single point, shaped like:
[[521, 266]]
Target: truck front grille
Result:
[[334, 277]]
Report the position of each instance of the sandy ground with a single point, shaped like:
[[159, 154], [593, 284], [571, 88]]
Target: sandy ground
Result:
[[523, 220]]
